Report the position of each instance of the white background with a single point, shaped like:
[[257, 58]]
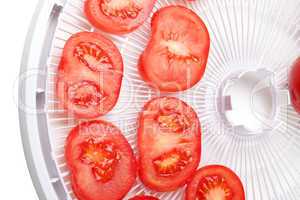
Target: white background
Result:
[[15, 182]]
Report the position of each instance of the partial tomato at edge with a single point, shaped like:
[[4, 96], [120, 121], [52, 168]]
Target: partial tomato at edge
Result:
[[176, 55], [144, 198], [215, 182], [118, 16], [294, 85], [169, 143], [89, 75], [101, 162]]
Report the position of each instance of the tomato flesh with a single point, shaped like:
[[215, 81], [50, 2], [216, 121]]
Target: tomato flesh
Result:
[[215, 182], [294, 85], [171, 162], [173, 122], [100, 160], [84, 94], [102, 157], [92, 56], [144, 198], [177, 52], [118, 16], [214, 187], [120, 8], [89, 75], [169, 143]]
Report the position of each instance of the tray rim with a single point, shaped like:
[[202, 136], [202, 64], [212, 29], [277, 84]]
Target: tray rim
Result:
[[27, 92]]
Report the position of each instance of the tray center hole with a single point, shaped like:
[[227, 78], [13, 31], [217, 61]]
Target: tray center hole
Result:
[[248, 101]]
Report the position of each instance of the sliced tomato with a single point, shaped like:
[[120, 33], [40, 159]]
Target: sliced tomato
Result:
[[118, 16], [176, 55], [144, 198], [215, 182], [169, 143], [100, 160], [89, 75], [294, 85]]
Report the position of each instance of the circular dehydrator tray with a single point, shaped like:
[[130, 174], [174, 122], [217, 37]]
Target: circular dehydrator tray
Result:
[[246, 35]]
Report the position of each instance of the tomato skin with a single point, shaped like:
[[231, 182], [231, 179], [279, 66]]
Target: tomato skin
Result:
[[144, 198], [71, 71], [116, 25], [84, 184], [164, 64], [233, 181], [294, 85], [153, 143]]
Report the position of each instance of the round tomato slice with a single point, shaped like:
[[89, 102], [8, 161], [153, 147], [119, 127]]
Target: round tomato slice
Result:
[[215, 182], [294, 85], [169, 143], [100, 160], [118, 16], [89, 75], [176, 55], [144, 198]]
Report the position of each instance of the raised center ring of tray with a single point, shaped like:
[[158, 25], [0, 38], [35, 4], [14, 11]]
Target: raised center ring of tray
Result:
[[245, 36]]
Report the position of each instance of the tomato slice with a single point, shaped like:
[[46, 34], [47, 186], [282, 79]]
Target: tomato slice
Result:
[[294, 85], [169, 143], [144, 198], [176, 55], [118, 16], [89, 75], [100, 160], [215, 182]]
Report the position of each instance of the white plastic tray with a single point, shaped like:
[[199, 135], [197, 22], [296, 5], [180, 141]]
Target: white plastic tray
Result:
[[261, 37]]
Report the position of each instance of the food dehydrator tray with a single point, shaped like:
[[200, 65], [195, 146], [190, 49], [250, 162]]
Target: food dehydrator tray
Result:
[[242, 101]]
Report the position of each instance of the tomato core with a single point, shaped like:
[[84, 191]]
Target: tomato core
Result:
[[177, 49], [173, 122], [92, 56], [213, 188], [171, 162], [120, 8], [102, 157]]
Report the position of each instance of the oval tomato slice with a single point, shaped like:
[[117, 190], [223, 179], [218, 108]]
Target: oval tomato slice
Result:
[[144, 198], [215, 182], [100, 160], [176, 55], [89, 75], [294, 85], [118, 16], [169, 143]]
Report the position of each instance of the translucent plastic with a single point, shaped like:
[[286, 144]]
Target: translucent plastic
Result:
[[261, 142]]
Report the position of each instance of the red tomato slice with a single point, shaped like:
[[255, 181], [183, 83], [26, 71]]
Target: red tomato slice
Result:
[[176, 55], [169, 143], [100, 160], [118, 16], [215, 182], [90, 75], [294, 85], [144, 198]]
